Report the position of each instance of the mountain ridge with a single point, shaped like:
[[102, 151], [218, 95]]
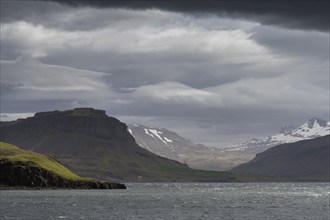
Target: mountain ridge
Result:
[[92, 144], [169, 144], [306, 160], [312, 128]]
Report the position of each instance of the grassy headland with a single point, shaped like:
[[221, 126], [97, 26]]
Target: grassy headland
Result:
[[21, 168]]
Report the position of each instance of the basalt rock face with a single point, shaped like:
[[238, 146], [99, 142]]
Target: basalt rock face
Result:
[[88, 142], [24, 175], [90, 122]]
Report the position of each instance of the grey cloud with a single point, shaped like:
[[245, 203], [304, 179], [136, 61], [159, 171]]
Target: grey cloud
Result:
[[199, 70], [135, 70], [28, 85], [33, 11], [185, 59], [9, 51], [14, 116], [54, 15], [306, 14], [15, 106], [294, 43]]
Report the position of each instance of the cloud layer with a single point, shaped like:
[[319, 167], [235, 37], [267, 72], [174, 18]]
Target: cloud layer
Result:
[[212, 78], [307, 14]]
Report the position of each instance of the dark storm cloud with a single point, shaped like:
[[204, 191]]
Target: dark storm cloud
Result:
[[302, 14]]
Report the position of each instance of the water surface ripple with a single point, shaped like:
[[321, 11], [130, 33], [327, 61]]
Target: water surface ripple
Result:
[[173, 201]]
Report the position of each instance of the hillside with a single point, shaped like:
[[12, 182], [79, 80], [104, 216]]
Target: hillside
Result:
[[21, 168], [302, 160], [92, 144], [169, 144], [287, 134]]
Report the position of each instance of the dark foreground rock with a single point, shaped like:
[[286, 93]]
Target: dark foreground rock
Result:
[[18, 175]]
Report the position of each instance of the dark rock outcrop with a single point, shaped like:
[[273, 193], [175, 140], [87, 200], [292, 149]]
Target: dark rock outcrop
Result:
[[26, 175]]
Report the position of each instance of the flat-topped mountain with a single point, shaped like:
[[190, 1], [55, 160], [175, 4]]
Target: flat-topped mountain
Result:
[[169, 144], [302, 160], [288, 134], [92, 144]]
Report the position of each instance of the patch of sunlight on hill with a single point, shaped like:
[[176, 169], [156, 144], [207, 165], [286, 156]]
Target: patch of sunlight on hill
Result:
[[16, 155]]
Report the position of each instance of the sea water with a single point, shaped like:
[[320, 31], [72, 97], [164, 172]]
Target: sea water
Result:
[[173, 201]]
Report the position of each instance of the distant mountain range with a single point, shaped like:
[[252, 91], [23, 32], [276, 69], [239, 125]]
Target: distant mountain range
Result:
[[307, 160], [288, 134], [169, 144], [92, 144]]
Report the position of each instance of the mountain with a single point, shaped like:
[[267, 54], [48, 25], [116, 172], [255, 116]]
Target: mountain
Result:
[[288, 134], [169, 144], [92, 144], [20, 168], [307, 160]]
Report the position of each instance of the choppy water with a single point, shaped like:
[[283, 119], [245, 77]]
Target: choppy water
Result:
[[173, 201]]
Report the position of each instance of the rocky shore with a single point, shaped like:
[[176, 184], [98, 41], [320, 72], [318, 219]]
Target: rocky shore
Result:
[[21, 169], [20, 176]]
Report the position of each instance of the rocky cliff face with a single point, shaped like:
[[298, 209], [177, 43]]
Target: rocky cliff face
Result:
[[78, 121], [66, 133]]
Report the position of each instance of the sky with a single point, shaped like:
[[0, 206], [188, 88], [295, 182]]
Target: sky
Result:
[[216, 72]]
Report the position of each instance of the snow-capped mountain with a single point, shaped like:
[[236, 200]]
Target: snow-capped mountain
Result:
[[169, 144], [157, 140], [311, 129]]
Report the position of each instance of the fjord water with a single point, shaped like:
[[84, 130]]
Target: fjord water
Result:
[[173, 201]]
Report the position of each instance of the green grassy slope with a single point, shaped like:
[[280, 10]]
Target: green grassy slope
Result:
[[14, 154], [22, 168]]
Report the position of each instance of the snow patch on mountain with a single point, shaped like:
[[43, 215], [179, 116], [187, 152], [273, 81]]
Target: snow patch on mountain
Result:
[[169, 144], [130, 131], [311, 129], [168, 140], [159, 136]]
